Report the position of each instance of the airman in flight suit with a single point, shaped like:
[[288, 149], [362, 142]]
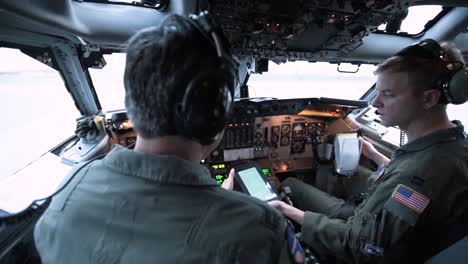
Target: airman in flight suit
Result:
[[156, 203], [422, 188]]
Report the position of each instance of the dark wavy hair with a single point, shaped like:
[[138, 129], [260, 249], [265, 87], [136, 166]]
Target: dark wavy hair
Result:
[[161, 62]]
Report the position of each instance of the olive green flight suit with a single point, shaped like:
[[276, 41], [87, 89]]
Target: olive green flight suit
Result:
[[425, 183], [131, 207]]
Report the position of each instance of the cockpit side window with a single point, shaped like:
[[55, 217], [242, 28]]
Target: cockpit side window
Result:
[[37, 111]]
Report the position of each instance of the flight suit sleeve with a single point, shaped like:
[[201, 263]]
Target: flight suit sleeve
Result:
[[377, 224]]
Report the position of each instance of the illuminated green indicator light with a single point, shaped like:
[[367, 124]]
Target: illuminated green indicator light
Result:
[[221, 166], [219, 178], [266, 171], [215, 167]]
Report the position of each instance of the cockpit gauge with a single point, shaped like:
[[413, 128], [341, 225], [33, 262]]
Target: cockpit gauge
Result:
[[298, 130], [311, 128], [274, 139], [258, 134], [321, 127], [275, 129], [297, 146], [314, 128], [258, 143], [285, 129], [285, 140]]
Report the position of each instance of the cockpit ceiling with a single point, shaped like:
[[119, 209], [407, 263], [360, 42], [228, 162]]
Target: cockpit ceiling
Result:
[[301, 30], [308, 30]]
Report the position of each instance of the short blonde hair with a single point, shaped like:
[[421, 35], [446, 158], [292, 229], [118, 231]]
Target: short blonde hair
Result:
[[423, 73]]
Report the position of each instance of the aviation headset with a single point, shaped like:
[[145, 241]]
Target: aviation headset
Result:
[[203, 111], [453, 83]]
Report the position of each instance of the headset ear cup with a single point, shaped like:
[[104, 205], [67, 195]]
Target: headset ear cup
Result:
[[458, 87], [203, 110], [205, 107]]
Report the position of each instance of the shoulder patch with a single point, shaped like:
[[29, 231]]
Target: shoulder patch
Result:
[[294, 247], [410, 198]]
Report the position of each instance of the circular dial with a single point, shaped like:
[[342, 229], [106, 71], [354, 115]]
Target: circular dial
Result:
[[285, 129]]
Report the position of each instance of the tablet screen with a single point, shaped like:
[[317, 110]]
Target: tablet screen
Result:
[[256, 185]]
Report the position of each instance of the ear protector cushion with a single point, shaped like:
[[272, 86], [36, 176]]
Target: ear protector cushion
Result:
[[203, 110], [458, 87]]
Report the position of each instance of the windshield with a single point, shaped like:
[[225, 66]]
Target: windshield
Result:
[[288, 80], [304, 79]]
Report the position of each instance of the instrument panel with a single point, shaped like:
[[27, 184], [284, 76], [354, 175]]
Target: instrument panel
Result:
[[278, 143], [280, 135]]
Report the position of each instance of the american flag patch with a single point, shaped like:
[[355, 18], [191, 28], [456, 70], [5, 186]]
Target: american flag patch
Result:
[[410, 198]]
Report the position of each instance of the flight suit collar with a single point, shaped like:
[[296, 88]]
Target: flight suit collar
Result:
[[165, 169], [436, 137]]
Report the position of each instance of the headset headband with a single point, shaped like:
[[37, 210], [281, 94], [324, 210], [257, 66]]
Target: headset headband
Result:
[[206, 27], [453, 83], [430, 49]]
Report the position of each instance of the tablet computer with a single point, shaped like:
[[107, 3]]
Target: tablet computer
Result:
[[253, 182]]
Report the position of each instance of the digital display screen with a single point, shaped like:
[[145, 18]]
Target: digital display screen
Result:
[[256, 185]]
